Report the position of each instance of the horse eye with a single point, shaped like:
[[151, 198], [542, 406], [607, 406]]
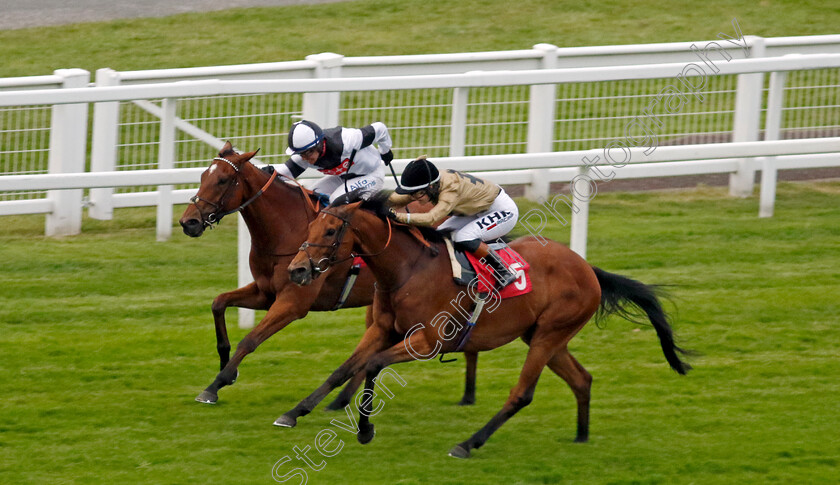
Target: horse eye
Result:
[[222, 181], [330, 232]]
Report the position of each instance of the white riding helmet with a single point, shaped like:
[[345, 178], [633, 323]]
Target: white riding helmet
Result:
[[303, 136]]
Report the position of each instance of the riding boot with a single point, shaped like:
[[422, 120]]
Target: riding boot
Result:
[[503, 275], [323, 198]]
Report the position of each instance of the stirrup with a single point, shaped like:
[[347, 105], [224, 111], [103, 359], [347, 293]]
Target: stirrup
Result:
[[505, 279], [503, 275]]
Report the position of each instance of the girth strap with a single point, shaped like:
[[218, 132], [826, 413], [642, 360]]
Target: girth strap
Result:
[[348, 285]]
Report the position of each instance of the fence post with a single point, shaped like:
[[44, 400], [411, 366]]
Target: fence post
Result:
[[243, 272], [748, 96], [458, 131], [581, 194], [772, 128], [67, 154], [166, 160], [322, 108], [103, 156], [541, 123]]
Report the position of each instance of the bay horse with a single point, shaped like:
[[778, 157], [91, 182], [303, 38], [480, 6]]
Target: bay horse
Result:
[[415, 287], [277, 215]]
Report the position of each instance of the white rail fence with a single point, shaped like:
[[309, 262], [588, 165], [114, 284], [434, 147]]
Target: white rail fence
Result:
[[439, 121], [533, 124]]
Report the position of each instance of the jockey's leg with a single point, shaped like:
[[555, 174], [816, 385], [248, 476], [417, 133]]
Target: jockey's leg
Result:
[[502, 274], [489, 225], [366, 184], [326, 186]]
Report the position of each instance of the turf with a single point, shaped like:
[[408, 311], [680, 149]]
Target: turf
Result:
[[107, 338], [384, 27]]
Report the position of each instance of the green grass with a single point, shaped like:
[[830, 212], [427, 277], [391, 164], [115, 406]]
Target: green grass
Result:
[[395, 27], [107, 338]]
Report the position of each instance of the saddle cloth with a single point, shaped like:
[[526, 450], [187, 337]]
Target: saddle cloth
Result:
[[466, 268]]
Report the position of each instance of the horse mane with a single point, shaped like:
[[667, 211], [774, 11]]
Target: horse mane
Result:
[[378, 204]]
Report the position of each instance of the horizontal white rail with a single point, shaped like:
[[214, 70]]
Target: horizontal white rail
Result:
[[299, 69], [30, 82], [661, 154], [706, 151], [23, 207], [470, 79]]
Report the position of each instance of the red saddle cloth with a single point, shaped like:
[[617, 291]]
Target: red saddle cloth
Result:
[[515, 262], [358, 261]]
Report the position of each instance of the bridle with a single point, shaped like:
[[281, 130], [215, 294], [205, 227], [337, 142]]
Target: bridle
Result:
[[216, 216], [332, 258]]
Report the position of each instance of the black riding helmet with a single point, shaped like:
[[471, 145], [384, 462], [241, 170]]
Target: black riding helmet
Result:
[[418, 175]]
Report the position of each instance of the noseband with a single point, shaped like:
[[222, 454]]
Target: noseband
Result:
[[218, 213], [332, 258]]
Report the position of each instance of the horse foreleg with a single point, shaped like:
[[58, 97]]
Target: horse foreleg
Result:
[[414, 347], [280, 314], [374, 340], [521, 395], [469, 385], [249, 296], [346, 394]]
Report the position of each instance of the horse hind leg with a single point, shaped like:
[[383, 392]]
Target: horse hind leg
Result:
[[521, 395], [469, 379], [570, 370]]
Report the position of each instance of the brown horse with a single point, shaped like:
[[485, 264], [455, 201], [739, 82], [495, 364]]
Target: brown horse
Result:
[[416, 299], [277, 215]]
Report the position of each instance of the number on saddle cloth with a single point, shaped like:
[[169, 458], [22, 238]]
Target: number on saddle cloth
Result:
[[468, 273]]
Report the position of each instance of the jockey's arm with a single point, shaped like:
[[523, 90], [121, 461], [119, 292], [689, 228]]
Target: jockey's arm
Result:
[[446, 202], [290, 169], [399, 200], [377, 133]]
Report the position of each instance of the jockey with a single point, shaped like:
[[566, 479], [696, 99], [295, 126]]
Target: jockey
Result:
[[346, 156], [481, 210]]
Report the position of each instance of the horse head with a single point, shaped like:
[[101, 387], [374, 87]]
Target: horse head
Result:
[[326, 244], [221, 192]]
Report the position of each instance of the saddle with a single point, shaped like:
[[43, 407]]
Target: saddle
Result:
[[466, 268]]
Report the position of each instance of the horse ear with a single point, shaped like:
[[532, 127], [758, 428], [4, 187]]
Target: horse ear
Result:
[[249, 155], [226, 149]]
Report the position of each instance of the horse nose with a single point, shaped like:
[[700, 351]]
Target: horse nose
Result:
[[299, 275], [192, 227]]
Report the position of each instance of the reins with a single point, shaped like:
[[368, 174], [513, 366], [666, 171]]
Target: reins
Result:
[[331, 258]]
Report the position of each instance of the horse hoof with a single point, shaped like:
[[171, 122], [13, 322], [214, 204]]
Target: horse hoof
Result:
[[207, 397], [365, 437], [459, 452], [285, 421], [336, 405], [466, 402], [581, 439]]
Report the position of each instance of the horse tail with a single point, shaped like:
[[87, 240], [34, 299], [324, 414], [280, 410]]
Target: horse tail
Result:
[[619, 292]]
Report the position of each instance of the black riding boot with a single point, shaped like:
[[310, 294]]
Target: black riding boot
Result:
[[503, 275]]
